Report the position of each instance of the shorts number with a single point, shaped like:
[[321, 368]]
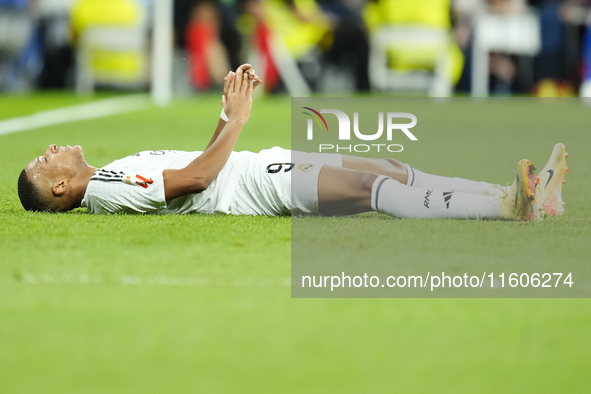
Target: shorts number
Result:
[[277, 167]]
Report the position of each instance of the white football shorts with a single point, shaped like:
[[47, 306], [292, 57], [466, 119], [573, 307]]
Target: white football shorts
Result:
[[278, 181]]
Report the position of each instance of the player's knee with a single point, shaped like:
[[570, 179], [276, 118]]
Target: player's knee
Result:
[[366, 182], [398, 170], [396, 164]]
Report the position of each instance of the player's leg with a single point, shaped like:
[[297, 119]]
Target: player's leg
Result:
[[407, 175], [389, 167], [343, 191]]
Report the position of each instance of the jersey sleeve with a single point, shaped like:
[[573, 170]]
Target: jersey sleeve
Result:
[[125, 192]]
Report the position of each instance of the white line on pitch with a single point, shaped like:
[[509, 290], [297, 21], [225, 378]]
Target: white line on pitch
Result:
[[137, 280], [97, 109]]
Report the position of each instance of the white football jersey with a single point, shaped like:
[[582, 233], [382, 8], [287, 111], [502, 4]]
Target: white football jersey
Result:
[[135, 184]]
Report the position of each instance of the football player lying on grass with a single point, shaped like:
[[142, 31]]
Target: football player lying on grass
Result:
[[219, 180]]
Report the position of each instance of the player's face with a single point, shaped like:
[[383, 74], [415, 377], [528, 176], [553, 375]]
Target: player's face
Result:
[[58, 163]]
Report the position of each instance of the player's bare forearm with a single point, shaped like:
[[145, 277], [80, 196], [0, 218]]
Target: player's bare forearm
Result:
[[221, 124], [209, 164]]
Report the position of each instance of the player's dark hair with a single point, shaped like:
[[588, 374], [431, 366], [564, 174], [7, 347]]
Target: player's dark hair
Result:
[[29, 195]]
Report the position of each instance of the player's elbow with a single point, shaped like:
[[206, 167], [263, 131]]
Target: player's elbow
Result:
[[178, 183], [198, 181], [191, 186], [201, 183]]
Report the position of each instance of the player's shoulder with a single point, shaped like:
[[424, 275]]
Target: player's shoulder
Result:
[[114, 190]]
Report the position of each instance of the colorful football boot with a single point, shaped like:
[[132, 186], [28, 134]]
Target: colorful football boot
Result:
[[517, 203], [549, 191]]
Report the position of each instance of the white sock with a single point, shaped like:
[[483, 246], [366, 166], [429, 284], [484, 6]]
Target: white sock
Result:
[[418, 178], [395, 199]]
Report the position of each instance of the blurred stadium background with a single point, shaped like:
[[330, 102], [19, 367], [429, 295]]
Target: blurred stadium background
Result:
[[299, 47]]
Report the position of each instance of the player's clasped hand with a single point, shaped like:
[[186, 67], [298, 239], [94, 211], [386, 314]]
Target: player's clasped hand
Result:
[[247, 69], [238, 89]]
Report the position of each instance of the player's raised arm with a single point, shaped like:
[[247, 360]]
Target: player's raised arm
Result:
[[199, 174], [255, 80]]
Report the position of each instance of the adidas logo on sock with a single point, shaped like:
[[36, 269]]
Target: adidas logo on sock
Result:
[[447, 198]]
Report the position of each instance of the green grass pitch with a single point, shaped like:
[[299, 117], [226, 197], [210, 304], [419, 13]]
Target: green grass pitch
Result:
[[144, 304]]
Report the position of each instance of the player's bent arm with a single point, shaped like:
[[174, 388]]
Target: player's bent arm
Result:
[[198, 175]]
